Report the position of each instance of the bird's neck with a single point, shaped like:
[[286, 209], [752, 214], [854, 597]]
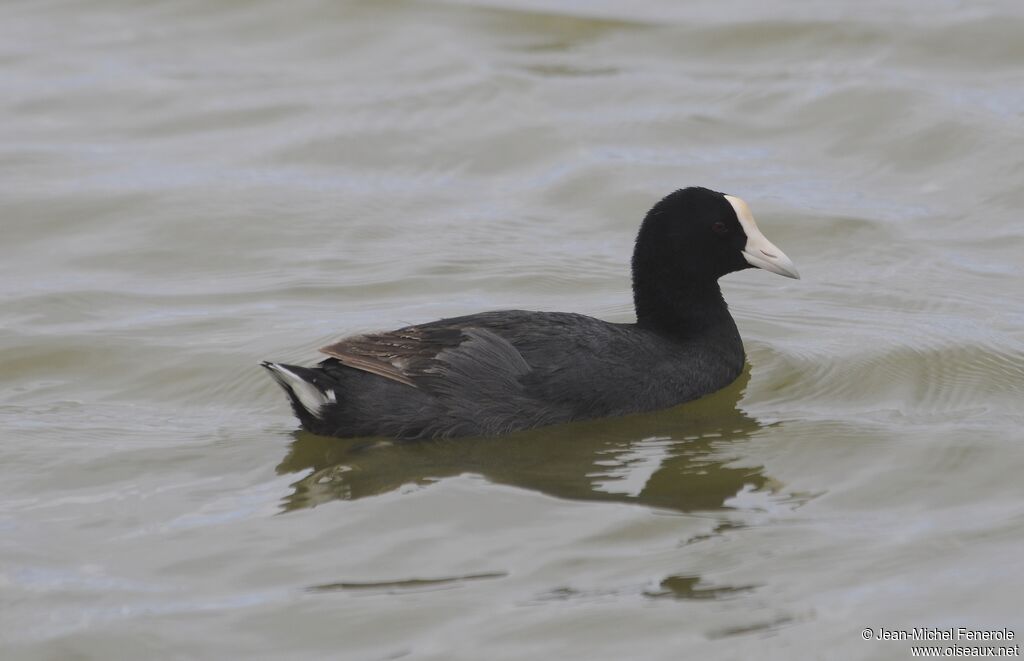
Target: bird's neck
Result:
[[683, 309]]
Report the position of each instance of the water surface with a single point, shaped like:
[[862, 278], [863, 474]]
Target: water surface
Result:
[[189, 188]]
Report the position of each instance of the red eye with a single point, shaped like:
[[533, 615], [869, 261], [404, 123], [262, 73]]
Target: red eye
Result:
[[720, 228]]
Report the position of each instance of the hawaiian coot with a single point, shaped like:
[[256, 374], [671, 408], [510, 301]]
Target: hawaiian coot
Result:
[[498, 372]]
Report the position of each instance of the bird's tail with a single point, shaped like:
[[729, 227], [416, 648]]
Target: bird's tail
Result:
[[306, 389]]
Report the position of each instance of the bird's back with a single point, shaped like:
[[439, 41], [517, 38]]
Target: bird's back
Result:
[[497, 372]]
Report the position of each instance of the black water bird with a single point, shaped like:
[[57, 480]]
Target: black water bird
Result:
[[497, 372]]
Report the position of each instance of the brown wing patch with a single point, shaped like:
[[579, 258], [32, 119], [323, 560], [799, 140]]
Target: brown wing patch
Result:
[[399, 355]]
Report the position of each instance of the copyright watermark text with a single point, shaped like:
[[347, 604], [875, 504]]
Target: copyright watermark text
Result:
[[966, 641]]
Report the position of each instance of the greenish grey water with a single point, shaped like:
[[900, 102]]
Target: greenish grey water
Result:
[[189, 188]]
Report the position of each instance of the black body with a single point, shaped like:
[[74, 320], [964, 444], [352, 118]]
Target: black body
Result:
[[497, 372]]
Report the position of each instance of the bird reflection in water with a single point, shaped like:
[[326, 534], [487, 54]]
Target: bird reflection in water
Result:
[[683, 459]]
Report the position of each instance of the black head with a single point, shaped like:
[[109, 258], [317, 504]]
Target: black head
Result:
[[689, 240]]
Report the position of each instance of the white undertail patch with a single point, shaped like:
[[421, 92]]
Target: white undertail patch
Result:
[[310, 397]]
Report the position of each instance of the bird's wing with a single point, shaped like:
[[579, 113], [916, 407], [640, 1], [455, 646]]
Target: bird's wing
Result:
[[434, 356]]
